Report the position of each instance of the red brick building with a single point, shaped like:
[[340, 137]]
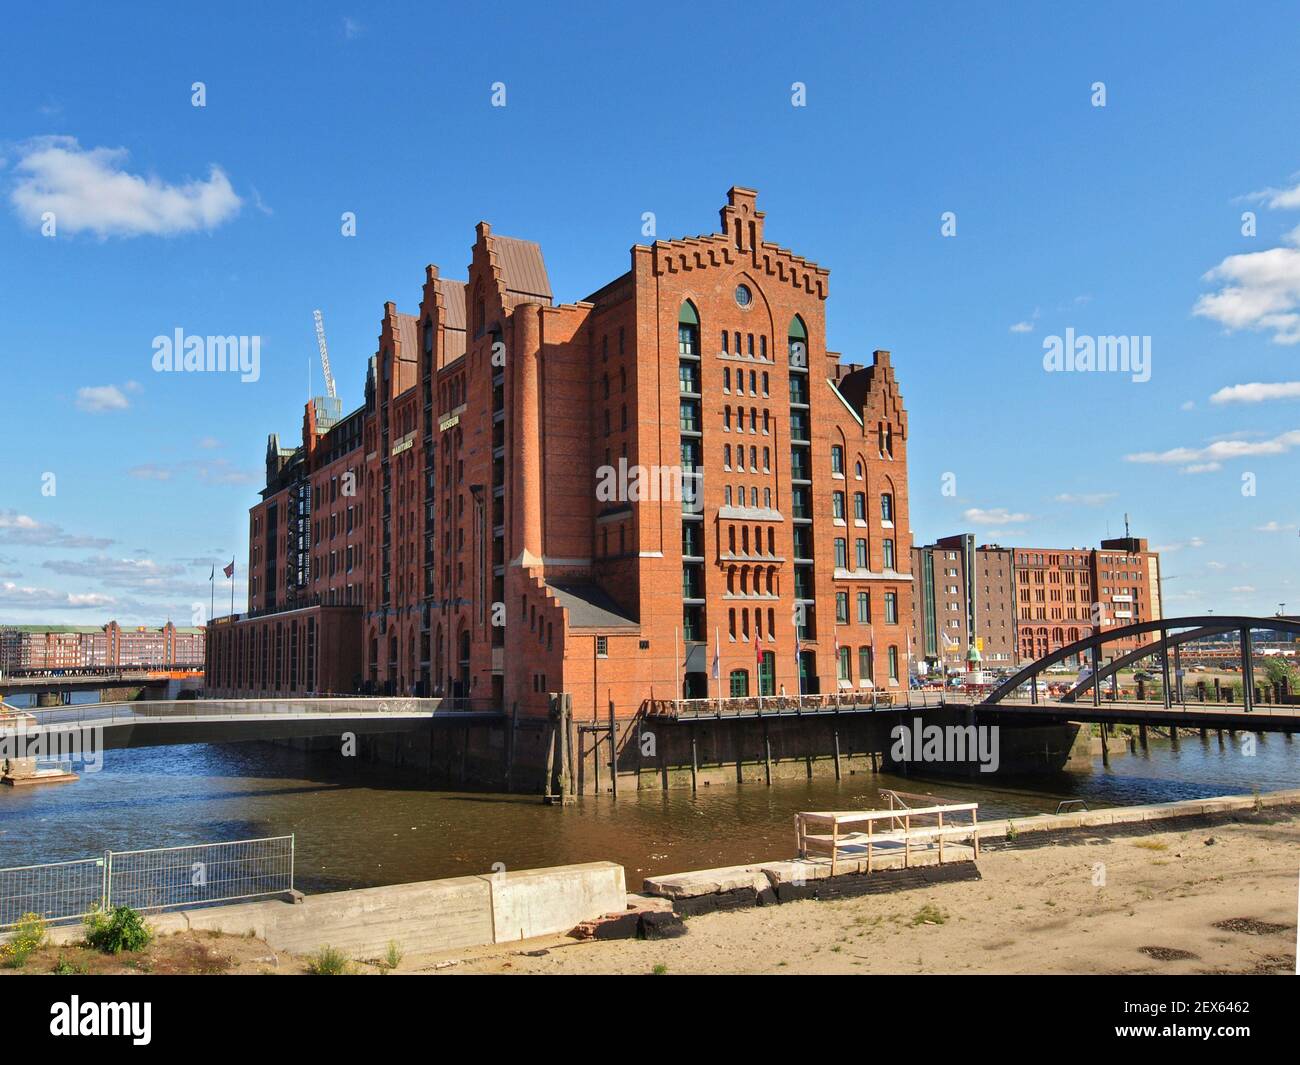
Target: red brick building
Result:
[[99, 646], [593, 497], [1018, 604]]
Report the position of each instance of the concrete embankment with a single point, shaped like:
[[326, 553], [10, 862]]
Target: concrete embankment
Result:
[[423, 918], [442, 916]]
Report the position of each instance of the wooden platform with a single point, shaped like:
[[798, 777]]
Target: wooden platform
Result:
[[872, 839]]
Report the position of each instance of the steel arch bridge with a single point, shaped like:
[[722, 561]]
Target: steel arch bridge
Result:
[[1173, 634]]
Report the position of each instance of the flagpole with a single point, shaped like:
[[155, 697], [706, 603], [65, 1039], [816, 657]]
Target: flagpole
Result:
[[717, 659], [232, 588], [677, 665], [212, 593]]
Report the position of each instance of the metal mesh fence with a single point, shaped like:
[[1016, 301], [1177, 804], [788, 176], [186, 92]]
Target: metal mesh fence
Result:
[[57, 891], [153, 879], [204, 873]]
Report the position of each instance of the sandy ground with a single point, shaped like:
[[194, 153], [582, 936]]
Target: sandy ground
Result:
[[1169, 902], [1219, 900]]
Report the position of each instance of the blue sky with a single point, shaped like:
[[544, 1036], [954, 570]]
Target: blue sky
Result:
[[225, 219]]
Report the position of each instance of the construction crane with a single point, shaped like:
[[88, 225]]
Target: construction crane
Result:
[[324, 354]]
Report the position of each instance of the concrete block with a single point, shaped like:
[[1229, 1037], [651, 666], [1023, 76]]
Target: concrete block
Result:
[[539, 902], [707, 882]]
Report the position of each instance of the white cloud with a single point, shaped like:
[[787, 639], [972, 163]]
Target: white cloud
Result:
[[1165, 549], [96, 399], [134, 573], [1216, 565], [23, 529], [209, 471], [1086, 499], [16, 596], [1188, 405], [995, 516], [1023, 327], [1204, 459], [1258, 291], [1282, 199], [1273, 527], [88, 190], [1243, 589], [1257, 392]]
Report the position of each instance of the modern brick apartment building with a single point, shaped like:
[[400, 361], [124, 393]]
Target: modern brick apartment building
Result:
[[1022, 603], [593, 497], [99, 646]]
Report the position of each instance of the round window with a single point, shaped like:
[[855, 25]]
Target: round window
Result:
[[743, 295]]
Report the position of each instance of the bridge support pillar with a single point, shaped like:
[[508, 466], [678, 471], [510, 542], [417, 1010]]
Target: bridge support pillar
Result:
[[1142, 737], [1164, 670], [1105, 745], [1247, 672]]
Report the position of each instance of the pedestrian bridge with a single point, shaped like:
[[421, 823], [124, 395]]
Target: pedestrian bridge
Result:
[[160, 723]]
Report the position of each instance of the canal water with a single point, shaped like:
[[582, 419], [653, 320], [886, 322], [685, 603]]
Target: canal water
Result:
[[363, 825]]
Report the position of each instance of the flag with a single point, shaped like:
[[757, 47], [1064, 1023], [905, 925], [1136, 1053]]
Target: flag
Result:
[[717, 654], [229, 571], [213, 575], [758, 650]]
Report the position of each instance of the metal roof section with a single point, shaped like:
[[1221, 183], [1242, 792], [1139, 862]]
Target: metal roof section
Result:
[[589, 607], [523, 270]]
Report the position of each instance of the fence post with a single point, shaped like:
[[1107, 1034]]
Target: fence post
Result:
[[293, 842], [106, 893]]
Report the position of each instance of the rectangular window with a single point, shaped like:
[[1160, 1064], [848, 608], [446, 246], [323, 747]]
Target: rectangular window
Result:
[[864, 608], [842, 607], [891, 608], [602, 646], [841, 554]]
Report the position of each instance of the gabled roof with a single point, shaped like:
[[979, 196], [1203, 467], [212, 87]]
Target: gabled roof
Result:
[[523, 271]]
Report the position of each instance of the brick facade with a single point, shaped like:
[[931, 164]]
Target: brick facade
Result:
[[598, 497]]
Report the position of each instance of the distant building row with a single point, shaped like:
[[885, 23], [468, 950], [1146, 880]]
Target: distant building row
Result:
[[1017, 604], [98, 646]]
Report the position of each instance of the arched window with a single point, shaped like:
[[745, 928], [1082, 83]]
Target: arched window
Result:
[[688, 330], [798, 342], [739, 683]]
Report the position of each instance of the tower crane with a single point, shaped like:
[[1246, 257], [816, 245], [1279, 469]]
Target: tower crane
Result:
[[324, 354]]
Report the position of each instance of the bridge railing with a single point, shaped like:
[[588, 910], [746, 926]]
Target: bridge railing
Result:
[[189, 709], [846, 700]]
